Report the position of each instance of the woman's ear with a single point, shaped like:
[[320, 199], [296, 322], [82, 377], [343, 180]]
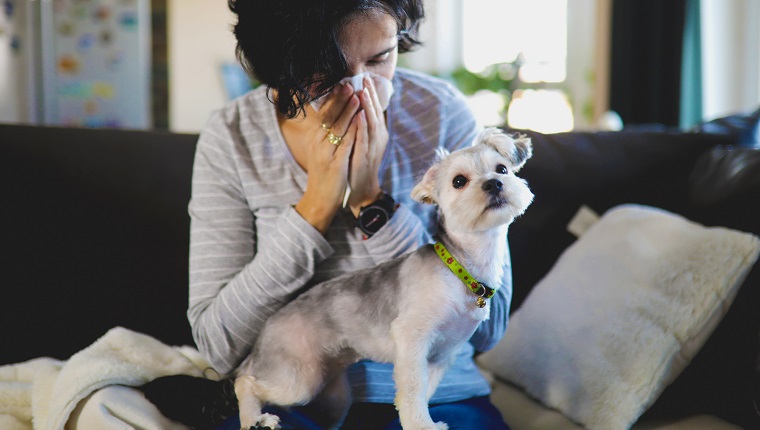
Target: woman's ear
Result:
[[423, 191]]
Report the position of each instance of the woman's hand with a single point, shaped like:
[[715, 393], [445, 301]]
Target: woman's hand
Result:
[[371, 141], [328, 163]]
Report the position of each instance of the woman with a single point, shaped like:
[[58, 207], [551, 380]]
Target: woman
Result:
[[273, 171]]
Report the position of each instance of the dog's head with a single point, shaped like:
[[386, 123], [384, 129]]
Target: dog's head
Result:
[[476, 188]]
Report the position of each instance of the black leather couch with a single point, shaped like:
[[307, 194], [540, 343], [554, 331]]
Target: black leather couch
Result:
[[95, 234]]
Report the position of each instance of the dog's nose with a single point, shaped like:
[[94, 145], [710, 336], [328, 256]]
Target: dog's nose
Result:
[[492, 186]]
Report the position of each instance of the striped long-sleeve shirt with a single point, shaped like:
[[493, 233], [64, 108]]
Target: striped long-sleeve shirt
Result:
[[251, 252]]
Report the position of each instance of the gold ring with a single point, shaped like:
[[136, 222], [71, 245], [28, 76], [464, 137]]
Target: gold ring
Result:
[[333, 139], [325, 127]]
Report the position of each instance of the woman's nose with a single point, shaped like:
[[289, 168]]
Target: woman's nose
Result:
[[353, 71]]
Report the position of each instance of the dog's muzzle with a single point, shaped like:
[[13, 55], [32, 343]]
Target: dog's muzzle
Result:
[[493, 189]]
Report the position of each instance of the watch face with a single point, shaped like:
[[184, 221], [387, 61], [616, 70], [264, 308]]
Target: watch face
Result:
[[371, 219]]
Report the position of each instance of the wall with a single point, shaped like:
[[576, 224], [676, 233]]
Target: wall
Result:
[[730, 56], [588, 59], [199, 42], [441, 36]]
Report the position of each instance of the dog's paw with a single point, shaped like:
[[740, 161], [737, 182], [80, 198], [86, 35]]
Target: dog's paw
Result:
[[440, 425], [270, 421], [265, 422]]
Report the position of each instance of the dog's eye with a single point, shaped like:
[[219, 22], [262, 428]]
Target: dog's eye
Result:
[[459, 181], [502, 169]]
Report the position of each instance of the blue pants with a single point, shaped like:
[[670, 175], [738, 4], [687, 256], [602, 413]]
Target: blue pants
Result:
[[471, 414]]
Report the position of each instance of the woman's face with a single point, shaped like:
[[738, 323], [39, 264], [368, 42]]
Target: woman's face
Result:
[[370, 44]]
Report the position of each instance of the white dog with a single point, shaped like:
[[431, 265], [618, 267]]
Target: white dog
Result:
[[413, 311]]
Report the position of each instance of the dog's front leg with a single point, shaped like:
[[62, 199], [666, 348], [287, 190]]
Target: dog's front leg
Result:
[[435, 374], [250, 404], [410, 372]]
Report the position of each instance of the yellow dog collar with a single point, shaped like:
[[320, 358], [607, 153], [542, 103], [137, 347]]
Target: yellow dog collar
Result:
[[480, 289]]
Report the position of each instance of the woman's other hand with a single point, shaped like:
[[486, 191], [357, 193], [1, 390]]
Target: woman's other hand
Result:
[[368, 150]]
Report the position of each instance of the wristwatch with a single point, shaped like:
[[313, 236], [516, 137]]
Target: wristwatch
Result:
[[373, 217]]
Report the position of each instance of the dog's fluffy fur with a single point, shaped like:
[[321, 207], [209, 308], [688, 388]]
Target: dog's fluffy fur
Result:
[[411, 311]]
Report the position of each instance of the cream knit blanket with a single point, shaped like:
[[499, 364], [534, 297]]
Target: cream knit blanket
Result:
[[42, 393]]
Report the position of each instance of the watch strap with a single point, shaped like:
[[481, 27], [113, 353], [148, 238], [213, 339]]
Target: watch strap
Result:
[[386, 202]]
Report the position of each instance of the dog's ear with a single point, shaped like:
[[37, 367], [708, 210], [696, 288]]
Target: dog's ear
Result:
[[517, 149], [423, 191], [523, 151]]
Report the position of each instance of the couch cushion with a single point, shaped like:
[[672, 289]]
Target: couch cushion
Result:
[[622, 313]]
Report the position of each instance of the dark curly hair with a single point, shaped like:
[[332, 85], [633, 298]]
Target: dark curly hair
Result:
[[292, 45]]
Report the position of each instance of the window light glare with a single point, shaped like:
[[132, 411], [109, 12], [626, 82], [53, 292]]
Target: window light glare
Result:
[[488, 107], [545, 111], [542, 72], [497, 31]]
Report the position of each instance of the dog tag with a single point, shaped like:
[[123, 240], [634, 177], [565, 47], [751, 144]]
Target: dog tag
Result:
[[481, 302]]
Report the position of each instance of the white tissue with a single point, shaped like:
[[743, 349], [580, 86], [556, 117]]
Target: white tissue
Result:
[[383, 86]]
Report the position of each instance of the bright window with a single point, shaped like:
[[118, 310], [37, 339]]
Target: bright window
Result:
[[498, 31], [532, 35]]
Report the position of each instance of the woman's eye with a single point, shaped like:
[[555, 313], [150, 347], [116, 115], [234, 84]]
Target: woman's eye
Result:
[[379, 59], [502, 169], [459, 181]]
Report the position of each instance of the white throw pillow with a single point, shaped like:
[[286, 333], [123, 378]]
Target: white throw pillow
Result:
[[622, 312]]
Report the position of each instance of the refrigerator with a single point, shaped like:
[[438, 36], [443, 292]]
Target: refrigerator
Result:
[[80, 63]]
